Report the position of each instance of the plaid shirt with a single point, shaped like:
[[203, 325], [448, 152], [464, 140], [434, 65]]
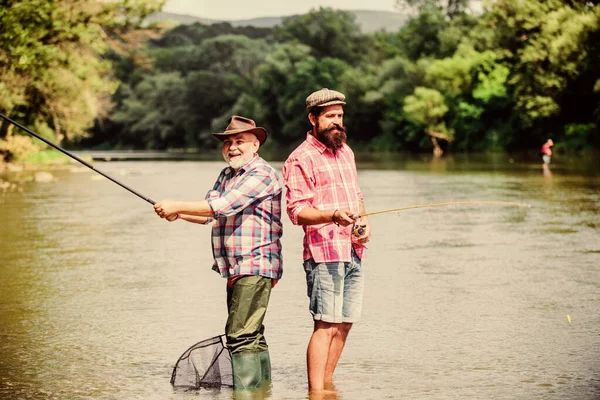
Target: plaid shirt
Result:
[[247, 228], [315, 177]]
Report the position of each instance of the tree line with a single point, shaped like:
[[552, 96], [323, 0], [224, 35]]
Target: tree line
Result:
[[504, 79]]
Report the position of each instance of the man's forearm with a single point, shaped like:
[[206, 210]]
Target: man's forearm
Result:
[[195, 219], [198, 208], [312, 216]]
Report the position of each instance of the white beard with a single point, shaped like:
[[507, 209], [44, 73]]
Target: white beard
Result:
[[239, 162]]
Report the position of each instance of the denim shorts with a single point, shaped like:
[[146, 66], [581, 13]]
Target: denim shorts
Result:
[[335, 290]]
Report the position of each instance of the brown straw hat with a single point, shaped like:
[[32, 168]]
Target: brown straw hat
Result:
[[239, 124], [323, 98]]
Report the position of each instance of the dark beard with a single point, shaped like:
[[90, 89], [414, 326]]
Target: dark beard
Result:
[[333, 141]]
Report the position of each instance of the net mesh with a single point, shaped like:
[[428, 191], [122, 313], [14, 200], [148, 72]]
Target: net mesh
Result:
[[207, 364]]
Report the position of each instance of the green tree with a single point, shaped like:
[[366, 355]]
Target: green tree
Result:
[[420, 36], [168, 110], [195, 34], [51, 67], [328, 33], [288, 75], [550, 47], [151, 113], [232, 53], [206, 79], [426, 107], [502, 80]]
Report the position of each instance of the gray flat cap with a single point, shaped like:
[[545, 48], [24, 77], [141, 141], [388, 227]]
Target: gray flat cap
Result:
[[324, 97]]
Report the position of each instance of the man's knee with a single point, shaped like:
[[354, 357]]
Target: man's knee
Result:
[[332, 329], [326, 328], [345, 327]]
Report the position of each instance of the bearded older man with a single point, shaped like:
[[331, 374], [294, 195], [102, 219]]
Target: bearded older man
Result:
[[245, 205], [324, 197]]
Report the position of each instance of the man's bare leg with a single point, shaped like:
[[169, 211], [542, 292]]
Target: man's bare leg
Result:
[[317, 353], [335, 350]]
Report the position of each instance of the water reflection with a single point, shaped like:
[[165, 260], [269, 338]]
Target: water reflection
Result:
[[546, 171], [264, 392], [329, 392]]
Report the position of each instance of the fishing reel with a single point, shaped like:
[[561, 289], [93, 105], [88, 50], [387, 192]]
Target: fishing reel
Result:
[[358, 230]]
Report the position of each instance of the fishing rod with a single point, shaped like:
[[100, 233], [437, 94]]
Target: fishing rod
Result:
[[358, 230], [73, 156]]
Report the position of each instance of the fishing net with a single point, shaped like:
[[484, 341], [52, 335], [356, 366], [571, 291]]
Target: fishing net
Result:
[[207, 364]]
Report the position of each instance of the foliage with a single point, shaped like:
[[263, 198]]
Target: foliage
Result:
[[48, 156], [16, 145], [550, 51], [579, 136], [162, 110], [51, 65], [328, 33], [195, 34], [420, 37], [232, 53], [426, 107], [504, 79]]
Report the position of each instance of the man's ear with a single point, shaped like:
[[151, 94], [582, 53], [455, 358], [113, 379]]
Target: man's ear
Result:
[[312, 119]]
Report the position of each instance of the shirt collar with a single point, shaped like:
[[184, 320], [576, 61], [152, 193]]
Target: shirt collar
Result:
[[316, 143]]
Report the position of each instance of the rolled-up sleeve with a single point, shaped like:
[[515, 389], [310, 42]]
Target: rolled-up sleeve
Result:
[[256, 187], [300, 188], [359, 193]]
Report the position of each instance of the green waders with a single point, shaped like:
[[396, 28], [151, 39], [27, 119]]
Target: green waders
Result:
[[247, 305]]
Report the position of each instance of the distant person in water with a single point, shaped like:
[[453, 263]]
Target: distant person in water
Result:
[[546, 152]]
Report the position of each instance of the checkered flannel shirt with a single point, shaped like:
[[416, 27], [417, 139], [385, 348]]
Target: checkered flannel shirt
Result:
[[315, 177], [247, 229]]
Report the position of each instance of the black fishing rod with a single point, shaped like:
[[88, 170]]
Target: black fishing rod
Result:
[[73, 156]]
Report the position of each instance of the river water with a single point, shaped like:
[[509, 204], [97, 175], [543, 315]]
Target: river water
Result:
[[99, 297]]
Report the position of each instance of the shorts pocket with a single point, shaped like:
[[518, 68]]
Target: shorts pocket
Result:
[[310, 270]]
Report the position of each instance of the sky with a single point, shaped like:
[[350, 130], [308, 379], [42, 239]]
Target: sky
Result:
[[246, 9]]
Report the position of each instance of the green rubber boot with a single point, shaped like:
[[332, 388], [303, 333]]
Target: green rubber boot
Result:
[[265, 366], [250, 370]]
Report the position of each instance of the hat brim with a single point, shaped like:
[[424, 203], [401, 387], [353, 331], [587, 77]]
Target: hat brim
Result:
[[329, 103], [260, 133]]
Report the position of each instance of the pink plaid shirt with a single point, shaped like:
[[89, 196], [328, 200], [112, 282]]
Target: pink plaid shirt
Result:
[[247, 229], [315, 177]]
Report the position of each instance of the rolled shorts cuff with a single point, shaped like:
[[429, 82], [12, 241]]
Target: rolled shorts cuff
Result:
[[333, 320]]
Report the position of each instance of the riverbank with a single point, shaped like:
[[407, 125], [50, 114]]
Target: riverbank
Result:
[[38, 167], [42, 160]]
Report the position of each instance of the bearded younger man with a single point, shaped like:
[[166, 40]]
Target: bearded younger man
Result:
[[245, 204], [324, 197]]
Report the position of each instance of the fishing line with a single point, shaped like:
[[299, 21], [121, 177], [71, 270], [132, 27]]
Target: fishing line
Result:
[[73, 156], [453, 203], [358, 230]]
